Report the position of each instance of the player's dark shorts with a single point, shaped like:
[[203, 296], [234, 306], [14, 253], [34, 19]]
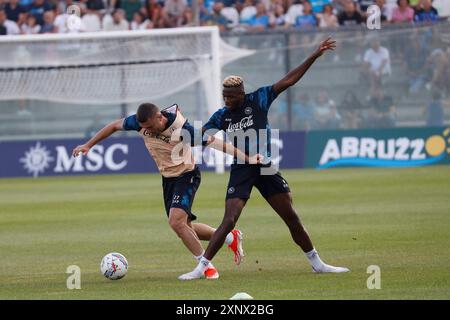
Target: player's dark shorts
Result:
[[179, 192], [243, 177]]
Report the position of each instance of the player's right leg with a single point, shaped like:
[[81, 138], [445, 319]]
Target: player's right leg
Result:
[[179, 193], [180, 224]]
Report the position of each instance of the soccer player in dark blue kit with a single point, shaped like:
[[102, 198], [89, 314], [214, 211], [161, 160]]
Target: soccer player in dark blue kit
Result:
[[242, 114]]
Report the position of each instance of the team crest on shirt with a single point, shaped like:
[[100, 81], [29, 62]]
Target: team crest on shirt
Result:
[[248, 110]]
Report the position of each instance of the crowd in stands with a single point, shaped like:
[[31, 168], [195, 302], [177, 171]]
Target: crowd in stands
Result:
[[422, 74], [426, 63], [52, 16]]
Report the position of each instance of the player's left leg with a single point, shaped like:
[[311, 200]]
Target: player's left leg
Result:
[[179, 193], [178, 221], [233, 239], [277, 193]]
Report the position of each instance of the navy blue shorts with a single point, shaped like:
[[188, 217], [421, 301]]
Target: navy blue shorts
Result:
[[179, 192], [243, 177]]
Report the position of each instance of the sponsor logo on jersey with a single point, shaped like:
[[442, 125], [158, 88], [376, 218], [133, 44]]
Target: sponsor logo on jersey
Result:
[[241, 125]]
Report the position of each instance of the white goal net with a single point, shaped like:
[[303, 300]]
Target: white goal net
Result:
[[113, 67]]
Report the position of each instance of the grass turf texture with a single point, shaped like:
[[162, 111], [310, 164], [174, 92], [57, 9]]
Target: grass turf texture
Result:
[[396, 219]]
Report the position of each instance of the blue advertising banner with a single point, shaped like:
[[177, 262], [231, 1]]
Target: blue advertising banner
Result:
[[396, 147], [37, 158]]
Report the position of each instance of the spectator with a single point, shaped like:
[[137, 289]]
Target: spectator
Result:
[[426, 13], [140, 22], [434, 112], [278, 18], [232, 15], [377, 63], [156, 14], [204, 11], [63, 5], [364, 5], [389, 7], [10, 27], [216, 18], [443, 7], [327, 19], [30, 26], [13, 9], [261, 20], [130, 7], [295, 10], [307, 19], [62, 21], [439, 66], [351, 110], [37, 8], [248, 12], [3, 31], [415, 59], [350, 16], [174, 10], [386, 13], [326, 114], [95, 5], [188, 18], [91, 20], [317, 5], [116, 22], [403, 13], [49, 23], [383, 113]]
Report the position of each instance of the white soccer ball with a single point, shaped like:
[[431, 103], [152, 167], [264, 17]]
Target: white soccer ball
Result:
[[114, 266]]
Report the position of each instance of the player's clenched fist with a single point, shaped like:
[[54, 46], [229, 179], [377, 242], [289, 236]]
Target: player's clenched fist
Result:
[[83, 149]]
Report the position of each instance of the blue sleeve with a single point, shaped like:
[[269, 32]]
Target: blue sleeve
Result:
[[215, 122], [196, 135], [264, 97], [131, 123]]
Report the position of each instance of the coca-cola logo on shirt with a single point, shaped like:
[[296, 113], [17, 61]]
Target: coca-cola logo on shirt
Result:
[[243, 124]]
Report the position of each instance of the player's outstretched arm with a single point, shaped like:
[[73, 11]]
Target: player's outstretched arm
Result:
[[104, 133], [295, 75], [228, 148]]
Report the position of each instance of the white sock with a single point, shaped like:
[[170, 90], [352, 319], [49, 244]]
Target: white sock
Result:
[[203, 264], [314, 259], [319, 266], [229, 239], [199, 257]]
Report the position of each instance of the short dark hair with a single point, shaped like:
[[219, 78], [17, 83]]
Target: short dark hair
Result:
[[146, 111]]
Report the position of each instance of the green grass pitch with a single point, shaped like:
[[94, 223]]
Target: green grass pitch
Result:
[[398, 219]]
